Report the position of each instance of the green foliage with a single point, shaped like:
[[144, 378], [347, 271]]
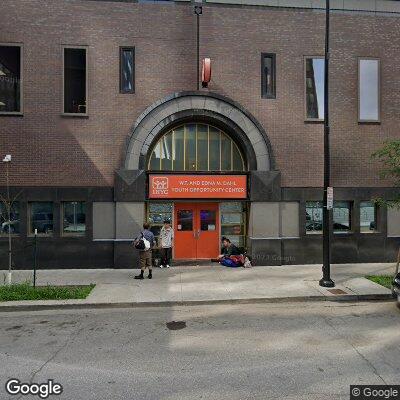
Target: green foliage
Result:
[[383, 280], [389, 157], [24, 291]]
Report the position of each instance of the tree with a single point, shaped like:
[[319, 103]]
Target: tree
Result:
[[8, 203], [389, 157]]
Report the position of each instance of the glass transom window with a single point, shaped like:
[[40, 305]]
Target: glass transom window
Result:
[[196, 147]]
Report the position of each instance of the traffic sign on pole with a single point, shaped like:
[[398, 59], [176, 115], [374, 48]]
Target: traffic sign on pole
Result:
[[329, 197]]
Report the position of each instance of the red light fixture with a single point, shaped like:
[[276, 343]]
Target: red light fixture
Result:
[[206, 72]]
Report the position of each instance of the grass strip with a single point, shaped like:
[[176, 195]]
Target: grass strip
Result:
[[25, 291], [383, 280]]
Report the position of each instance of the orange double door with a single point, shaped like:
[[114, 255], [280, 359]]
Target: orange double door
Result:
[[196, 227]]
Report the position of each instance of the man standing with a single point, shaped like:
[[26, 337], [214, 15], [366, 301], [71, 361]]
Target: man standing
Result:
[[145, 259], [166, 243]]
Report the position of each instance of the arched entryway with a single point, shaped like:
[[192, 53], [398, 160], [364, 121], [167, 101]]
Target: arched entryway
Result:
[[210, 108], [199, 159], [205, 166]]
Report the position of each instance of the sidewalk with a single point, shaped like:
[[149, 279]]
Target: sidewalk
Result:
[[207, 285]]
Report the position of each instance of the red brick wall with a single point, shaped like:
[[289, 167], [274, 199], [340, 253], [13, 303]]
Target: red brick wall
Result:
[[50, 150]]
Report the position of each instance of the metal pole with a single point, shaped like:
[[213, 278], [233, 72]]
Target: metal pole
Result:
[[326, 280], [198, 10], [198, 52], [9, 216], [35, 259]]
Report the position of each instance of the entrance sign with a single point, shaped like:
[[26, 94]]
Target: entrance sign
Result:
[[329, 198], [197, 186]]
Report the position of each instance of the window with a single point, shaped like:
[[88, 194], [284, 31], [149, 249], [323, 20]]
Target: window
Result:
[[11, 226], [196, 147], [341, 216], [74, 218], [368, 90], [314, 218], [314, 88], [10, 79], [127, 70], [156, 214], [233, 222], [268, 76], [75, 80], [368, 211], [41, 218]]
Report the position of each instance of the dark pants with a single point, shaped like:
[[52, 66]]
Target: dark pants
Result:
[[166, 255]]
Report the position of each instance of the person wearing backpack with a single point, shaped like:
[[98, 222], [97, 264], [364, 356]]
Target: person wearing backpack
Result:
[[144, 243]]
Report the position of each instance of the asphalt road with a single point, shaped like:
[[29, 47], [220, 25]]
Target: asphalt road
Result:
[[265, 351]]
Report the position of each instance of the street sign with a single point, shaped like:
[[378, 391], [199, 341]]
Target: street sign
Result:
[[329, 198]]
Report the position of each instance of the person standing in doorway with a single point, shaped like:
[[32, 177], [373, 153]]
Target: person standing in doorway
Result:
[[145, 256], [166, 243]]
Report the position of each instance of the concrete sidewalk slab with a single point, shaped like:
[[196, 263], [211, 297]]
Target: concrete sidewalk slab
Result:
[[208, 285]]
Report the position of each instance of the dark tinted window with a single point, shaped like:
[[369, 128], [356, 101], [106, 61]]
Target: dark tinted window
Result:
[[75, 81], [9, 224], [41, 217], [10, 78]]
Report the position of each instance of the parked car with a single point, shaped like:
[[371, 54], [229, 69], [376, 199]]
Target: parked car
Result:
[[396, 287]]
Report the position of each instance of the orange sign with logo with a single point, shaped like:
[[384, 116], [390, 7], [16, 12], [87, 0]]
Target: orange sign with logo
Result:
[[197, 186]]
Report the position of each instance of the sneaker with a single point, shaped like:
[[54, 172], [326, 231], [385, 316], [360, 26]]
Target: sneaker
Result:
[[167, 266], [161, 266]]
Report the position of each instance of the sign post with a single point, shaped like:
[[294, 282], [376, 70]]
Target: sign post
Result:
[[35, 260], [329, 198]]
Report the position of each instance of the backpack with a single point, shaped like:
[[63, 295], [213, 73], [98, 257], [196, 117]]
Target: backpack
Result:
[[142, 243]]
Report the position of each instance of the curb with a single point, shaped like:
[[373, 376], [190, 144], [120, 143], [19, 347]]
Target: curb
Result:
[[258, 300]]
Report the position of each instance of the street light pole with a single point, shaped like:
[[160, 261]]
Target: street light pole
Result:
[[326, 280]]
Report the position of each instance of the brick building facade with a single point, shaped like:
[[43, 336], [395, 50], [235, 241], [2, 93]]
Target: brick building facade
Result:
[[83, 157]]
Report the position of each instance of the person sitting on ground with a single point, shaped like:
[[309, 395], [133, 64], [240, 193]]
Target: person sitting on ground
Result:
[[145, 259], [228, 249]]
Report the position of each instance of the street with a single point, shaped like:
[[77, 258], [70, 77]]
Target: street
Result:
[[246, 351]]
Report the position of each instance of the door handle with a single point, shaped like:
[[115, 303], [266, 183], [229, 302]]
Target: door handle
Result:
[[198, 233]]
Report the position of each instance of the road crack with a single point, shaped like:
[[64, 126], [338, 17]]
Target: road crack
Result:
[[69, 339], [368, 362]]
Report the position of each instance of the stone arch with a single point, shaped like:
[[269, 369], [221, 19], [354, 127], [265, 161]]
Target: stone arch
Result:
[[199, 106]]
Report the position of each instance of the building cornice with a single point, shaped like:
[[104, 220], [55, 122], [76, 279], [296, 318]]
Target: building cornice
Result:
[[384, 7]]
